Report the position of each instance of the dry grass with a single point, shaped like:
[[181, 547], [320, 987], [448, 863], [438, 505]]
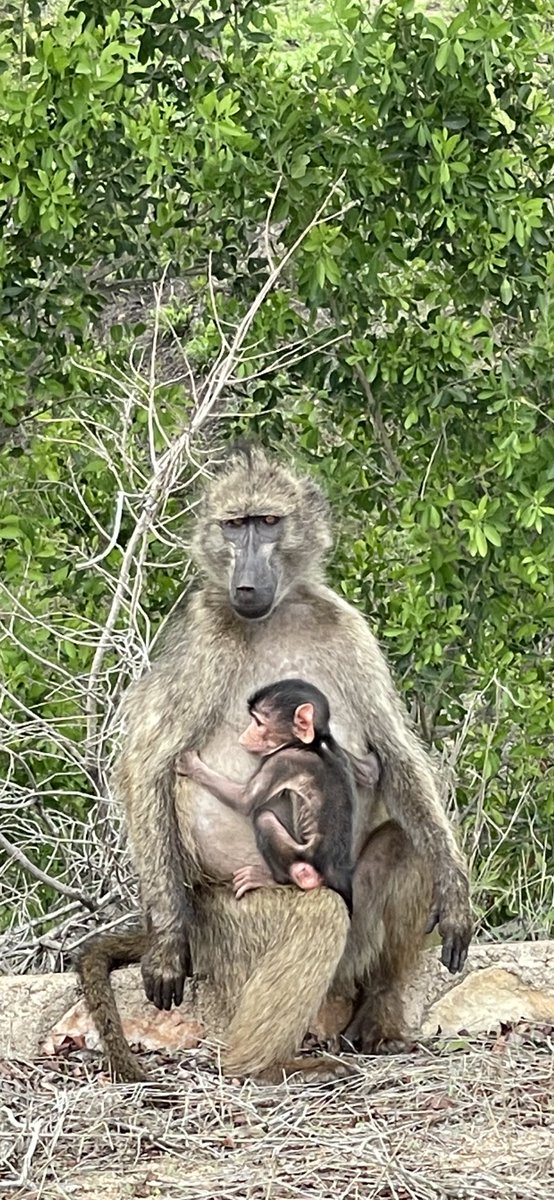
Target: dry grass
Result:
[[465, 1120]]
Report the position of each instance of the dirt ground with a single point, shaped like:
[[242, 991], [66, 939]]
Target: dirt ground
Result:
[[460, 1118]]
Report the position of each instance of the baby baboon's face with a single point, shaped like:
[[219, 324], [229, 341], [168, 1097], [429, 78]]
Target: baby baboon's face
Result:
[[267, 731]]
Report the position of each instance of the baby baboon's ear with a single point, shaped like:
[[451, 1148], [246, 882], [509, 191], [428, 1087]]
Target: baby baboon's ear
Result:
[[303, 723]]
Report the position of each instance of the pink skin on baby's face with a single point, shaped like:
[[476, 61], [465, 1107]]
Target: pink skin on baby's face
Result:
[[305, 876]]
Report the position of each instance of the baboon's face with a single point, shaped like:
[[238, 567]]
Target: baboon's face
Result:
[[253, 541], [263, 530]]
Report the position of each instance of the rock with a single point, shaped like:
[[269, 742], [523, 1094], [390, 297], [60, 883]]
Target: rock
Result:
[[151, 1030], [487, 999], [29, 1006], [500, 983]]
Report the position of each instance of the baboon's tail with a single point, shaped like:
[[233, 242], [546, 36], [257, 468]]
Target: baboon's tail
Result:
[[100, 955]]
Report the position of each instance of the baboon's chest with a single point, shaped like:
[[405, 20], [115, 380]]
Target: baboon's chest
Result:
[[291, 644]]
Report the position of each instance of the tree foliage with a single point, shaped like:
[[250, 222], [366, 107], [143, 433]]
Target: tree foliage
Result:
[[193, 143]]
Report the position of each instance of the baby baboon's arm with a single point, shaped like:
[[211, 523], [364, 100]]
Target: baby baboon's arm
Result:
[[271, 777], [235, 795]]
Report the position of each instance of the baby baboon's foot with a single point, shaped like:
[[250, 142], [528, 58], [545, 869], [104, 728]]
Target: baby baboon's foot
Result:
[[247, 879], [305, 876]]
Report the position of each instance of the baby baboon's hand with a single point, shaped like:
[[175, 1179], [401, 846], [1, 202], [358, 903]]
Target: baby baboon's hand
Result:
[[165, 966], [451, 911], [188, 763]]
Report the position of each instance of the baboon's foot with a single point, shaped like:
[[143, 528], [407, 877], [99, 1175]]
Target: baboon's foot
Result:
[[321, 1068], [375, 1041]]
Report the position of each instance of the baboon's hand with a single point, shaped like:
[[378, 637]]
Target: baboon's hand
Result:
[[451, 911], [165, 967], [188, 762]]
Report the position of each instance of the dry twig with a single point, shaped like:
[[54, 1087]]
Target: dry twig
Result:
[[472, 1123]]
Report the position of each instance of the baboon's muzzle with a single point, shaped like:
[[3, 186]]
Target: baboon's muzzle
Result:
[[254, 582]]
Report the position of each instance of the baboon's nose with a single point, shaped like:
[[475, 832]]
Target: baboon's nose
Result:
[[250, 601]]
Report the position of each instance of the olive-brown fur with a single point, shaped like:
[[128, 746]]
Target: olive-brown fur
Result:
[[276, 954]]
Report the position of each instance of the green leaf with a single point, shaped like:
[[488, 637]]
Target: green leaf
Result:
[[442, 56], [506, 292], [299, 165], [492, 535], [505, 119], [320, 272]]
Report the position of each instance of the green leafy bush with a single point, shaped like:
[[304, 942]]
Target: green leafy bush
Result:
[[405, 351]]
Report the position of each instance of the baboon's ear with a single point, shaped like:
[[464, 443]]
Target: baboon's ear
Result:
[[241, 447], [314, 498], [303, 723]]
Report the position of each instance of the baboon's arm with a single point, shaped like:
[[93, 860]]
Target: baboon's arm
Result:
[[409, 788], [365, 770], [174, 707]]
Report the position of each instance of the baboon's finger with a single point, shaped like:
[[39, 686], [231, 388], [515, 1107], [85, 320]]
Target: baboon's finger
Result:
[[178, 989], [455, 957], [168, 990], [462, 957], [454, 951], [462, 947], [447, 952], [432, 920], [157, 986], [242, 890], [149, 988]]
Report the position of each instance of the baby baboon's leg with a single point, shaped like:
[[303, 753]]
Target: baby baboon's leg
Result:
[[284, 946], [392, 899], [284, 853]]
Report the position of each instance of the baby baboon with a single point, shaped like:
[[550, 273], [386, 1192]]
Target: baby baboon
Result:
[[301, 797], [264, 611]]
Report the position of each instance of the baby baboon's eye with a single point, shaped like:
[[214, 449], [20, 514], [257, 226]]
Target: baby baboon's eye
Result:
[[271, 520], [235, 522]]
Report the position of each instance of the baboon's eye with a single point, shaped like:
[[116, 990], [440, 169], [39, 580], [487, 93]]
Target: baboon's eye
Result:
[[271, 520], [236, 522]]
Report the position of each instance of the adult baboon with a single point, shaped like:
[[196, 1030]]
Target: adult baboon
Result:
[[264, 613]]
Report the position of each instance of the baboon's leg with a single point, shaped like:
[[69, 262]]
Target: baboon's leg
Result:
[[282, 949], [392, 898]]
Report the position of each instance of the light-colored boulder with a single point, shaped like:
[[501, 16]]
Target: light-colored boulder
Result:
[[502, 982]]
